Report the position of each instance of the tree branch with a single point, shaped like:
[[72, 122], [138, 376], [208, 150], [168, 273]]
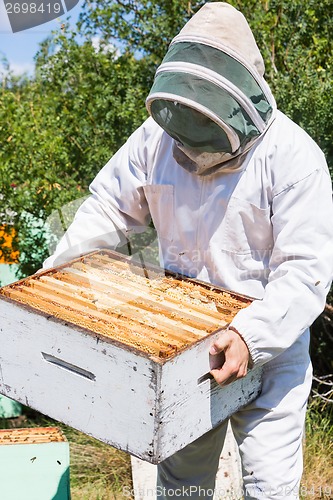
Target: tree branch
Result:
[[327, 381]]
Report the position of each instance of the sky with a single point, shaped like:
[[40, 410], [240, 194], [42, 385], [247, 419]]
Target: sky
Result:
[[19, 48]]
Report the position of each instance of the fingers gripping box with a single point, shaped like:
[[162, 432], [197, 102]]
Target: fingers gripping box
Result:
[[119, 351]]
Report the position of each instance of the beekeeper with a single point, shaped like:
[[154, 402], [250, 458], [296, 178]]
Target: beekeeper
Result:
[[240, 197]]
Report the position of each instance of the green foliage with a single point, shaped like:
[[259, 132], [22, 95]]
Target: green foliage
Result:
[[294, 38], [318, 453], [59, 128], [146, 26], [296, 42]]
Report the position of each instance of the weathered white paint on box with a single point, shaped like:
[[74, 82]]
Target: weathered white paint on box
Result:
[[147, 406], [188, 407]]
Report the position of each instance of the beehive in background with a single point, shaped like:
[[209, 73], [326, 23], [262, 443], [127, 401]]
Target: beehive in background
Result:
[[9, 408], [34, 464], [120, 351]]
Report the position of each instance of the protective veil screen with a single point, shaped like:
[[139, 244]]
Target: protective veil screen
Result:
[[189, 127]]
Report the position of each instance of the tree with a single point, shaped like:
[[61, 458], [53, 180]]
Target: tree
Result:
[[144, 27], [294, 38], [59, 128]]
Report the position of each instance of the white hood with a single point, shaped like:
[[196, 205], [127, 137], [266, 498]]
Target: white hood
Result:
[[209, 93]]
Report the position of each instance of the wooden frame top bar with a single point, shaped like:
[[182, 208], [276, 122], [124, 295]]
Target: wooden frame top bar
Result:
[[33, 435], [152, 310]]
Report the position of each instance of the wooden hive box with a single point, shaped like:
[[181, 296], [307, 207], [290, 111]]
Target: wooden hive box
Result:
[[120, 352], [34, 464]]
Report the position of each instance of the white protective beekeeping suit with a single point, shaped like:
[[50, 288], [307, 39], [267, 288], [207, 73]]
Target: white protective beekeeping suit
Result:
[[241, 197]]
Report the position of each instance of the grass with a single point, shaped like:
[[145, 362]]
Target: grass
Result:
[[100, 472], [317, 482]]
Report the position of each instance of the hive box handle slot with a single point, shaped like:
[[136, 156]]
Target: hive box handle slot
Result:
[[207, 376], [215, 361], [68, 366]]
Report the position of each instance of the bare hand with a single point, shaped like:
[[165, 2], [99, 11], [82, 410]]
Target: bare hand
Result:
[[236, 357]]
